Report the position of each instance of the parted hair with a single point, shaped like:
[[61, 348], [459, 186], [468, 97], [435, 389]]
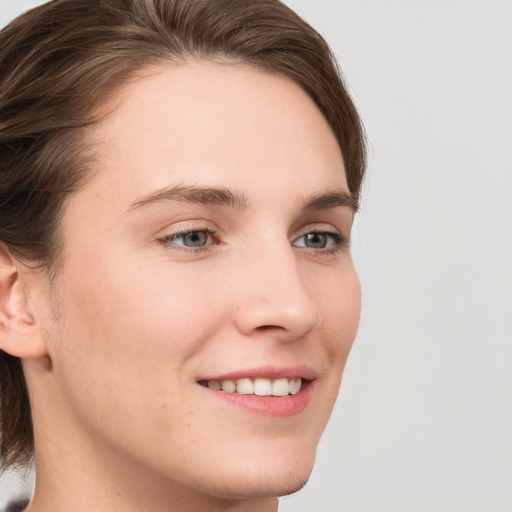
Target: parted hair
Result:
[[61, 61]]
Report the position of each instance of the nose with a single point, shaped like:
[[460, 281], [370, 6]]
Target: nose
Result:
[[274, 296]]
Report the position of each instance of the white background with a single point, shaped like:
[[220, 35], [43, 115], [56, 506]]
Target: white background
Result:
[[424, 419]]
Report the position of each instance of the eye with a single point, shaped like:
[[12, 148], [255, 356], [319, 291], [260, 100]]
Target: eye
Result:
[[319, 240], [194, 239]]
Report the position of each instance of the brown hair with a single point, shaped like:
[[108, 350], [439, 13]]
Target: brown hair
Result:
[[59, 62]]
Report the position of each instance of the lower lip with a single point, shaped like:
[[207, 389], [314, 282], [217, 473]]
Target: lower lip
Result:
[[272, 406]]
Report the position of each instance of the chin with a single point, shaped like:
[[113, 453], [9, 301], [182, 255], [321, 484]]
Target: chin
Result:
[[268, 465], [260, 489], [266, 482]]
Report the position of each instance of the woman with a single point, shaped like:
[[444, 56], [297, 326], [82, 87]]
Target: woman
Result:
[[178, 299]]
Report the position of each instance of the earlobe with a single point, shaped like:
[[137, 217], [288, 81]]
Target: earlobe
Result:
[[20, 335]]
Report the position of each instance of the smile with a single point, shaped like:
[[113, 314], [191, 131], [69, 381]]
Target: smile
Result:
[[257, 386]]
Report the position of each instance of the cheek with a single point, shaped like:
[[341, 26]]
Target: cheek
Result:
[[340, 304], [134, 300], [122, 327], [126, 348], [339, 300]]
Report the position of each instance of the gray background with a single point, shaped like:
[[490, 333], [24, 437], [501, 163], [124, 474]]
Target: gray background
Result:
[[424, 419]]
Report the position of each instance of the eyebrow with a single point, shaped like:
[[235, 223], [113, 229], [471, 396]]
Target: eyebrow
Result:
[[217, 196], [332, 199], [224, 197]]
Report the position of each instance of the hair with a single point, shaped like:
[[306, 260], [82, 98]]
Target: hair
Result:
[[61, 61]]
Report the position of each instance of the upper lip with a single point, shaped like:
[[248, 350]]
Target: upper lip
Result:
[[266, 372]]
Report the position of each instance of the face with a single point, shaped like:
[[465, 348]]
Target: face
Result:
[[210, 249]]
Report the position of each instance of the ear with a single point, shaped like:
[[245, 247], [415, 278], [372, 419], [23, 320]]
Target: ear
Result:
[[20, 335]]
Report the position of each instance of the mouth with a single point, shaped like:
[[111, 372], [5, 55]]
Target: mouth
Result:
[[267, 393], [256, 386]]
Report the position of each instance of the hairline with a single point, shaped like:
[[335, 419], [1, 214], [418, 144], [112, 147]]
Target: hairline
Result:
[[108, 105]]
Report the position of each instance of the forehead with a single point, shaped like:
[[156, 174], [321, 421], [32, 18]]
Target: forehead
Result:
[[217, 124]]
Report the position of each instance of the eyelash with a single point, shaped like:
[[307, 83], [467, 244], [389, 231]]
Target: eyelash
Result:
[[186, 230], [339, 242]]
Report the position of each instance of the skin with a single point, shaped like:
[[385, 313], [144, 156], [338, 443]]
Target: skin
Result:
[[115, 347]]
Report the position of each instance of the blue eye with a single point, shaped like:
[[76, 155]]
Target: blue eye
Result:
[[193, 239], [319, 240]]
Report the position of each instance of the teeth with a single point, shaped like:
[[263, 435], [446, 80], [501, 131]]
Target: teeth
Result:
[[229, 386], [295, 387], [280, 387], [244, 387], [260, 387], [215, 385]]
